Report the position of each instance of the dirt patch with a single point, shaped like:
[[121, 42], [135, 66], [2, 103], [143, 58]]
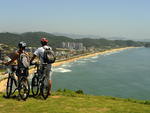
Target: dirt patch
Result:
[[55, 96], [1, 105], [3, 84], [103, 109]]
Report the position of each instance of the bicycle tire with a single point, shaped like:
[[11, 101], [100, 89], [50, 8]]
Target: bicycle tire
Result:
[[35, 86], [45, 87], [24, 88], [14, 85], [9, 87]]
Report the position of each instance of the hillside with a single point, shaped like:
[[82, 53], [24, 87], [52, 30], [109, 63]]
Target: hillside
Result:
[[32, 39], [71, 102]]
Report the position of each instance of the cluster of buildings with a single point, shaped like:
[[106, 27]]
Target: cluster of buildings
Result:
[[67, 50], [73, 46]]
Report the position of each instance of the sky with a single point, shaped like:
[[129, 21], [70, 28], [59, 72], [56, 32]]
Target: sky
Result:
[[106, 18]]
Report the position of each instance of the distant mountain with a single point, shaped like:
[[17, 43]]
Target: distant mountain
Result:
[[77, 36], [33, 39], [145, 40], [117, 38]]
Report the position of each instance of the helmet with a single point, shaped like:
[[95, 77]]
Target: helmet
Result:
[[44, 40], [22, 44]]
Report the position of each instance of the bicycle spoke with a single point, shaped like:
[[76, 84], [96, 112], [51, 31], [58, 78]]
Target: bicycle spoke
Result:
[[45, 87], [24, 89], [9, 86], [35, 87]]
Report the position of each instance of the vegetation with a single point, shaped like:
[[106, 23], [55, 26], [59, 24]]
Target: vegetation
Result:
[[32, 39], [67, 101], [147, 44]]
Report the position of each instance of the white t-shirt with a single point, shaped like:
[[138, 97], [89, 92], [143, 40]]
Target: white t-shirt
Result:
[[40, 52]]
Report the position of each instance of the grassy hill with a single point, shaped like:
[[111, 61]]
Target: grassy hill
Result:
[[70, 102], [32, 39]]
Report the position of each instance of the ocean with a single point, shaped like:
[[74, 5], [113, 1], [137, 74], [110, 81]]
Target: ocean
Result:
[[124, 74]]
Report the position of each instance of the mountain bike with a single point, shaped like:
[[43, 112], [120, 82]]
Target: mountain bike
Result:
[[11, 82], [40, 83], [22, 85]]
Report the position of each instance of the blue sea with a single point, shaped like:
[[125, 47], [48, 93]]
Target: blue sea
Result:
[[124, 74]]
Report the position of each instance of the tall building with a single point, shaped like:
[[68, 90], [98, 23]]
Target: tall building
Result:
[[73, 45]]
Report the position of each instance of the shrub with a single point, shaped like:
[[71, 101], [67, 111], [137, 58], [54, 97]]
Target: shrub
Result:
[[79, 92]]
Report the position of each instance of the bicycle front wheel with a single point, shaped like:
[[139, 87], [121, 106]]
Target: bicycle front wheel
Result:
[[45, 87], [35, 86], [9, 87], [24, 88]]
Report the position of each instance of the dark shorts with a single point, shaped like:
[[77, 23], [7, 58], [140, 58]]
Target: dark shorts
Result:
[[13, 68], [22, 72]]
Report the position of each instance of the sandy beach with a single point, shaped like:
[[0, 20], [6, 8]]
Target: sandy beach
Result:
[[4, 82], [90, 55]]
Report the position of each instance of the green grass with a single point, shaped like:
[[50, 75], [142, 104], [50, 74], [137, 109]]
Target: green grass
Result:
[[2, 70], [67, 101]]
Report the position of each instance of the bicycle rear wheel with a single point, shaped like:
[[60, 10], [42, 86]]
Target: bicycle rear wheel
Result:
[[45, 87], [24, 88], [35, 86]]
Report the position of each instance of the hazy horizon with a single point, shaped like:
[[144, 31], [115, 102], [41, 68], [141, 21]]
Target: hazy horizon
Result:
[[113, 18]]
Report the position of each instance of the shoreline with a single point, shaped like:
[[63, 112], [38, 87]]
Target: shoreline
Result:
[[89, 55], [59, 63]]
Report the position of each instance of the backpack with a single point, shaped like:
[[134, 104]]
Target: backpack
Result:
[[48, 56], [24, 60]]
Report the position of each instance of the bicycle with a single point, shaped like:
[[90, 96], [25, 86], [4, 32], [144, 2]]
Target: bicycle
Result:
[[11, 81], [40, 84], [22, 85]]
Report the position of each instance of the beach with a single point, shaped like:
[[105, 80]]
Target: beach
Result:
[[4, 82], [90, 55]]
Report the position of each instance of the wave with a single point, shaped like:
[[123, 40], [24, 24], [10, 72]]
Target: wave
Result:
[[95, 57], [93, 60], [81, 61], [86, 59], [106, 54], [61, 70], [66, 65]]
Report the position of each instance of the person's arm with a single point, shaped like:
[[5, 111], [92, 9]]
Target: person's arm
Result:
[[34, 56], [13, 59]]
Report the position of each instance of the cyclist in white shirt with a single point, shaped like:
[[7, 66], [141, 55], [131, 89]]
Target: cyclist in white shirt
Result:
[[40, 54]]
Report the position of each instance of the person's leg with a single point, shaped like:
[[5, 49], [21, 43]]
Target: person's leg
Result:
[[50, 81], [49, 75], [18, 75]]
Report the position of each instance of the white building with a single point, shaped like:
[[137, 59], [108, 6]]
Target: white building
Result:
[[72, 45]]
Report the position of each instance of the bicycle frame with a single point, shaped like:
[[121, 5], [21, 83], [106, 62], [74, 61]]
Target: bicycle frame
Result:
[[12, 79], [40, 72], [40, 76], [12, 76]]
